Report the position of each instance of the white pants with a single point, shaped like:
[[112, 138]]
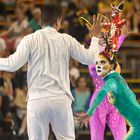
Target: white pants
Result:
[[57, 113]]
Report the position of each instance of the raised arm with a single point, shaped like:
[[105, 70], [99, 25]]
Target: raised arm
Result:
[[18, 59], [83, 55], [88, 56], [108, 87]]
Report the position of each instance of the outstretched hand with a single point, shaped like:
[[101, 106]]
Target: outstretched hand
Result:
[[96, 27], [83, 118]]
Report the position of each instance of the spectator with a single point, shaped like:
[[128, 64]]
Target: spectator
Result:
[[34, 24], [136, 16], [2, 47], [75, 28], [20, 103], [8, 87], [9, 2], [16, 31], [128, 13], [3, 12], [20, 78], [64, 9], [27, 7], [74, 73], [81, 95], [56, 2], [5, 96], [104, 8]]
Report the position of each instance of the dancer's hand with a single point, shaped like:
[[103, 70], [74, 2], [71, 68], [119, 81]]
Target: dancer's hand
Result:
[[83, 118], [96, 28]]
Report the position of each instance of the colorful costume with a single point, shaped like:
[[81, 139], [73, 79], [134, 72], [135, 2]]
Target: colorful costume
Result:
[[123, 99], [117, 22], [105, 113]]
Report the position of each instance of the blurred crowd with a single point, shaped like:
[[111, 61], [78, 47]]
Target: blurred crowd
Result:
[[13, 86]]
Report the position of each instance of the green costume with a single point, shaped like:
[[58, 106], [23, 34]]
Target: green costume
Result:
[[120, 95]]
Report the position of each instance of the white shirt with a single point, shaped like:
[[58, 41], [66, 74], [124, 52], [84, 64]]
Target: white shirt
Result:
[[47, 53], [18, 28]]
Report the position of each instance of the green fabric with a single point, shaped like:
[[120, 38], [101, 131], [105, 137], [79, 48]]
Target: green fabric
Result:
[[34, 25], [123, 99]]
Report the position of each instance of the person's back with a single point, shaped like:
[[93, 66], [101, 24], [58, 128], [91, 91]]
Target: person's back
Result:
[[48, 61], [48, 64]]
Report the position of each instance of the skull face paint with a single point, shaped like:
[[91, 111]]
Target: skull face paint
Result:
[[103, 66]]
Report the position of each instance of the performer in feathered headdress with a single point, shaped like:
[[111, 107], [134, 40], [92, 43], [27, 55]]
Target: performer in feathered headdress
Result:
[[106, 112], [118, 94]]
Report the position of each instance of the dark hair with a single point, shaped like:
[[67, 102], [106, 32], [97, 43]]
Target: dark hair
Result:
[[111, 60], [72, 6], [50, 14], [81, 77]]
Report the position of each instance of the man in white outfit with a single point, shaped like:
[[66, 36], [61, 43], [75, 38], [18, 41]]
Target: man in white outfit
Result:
[[48, 52]]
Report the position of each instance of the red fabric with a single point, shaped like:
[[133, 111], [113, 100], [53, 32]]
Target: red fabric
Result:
[[116, 20]]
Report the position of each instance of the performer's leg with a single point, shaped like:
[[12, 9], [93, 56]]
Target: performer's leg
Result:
[[62, 120], [98, 120], [117, 125], [37, 120], [97, 125]]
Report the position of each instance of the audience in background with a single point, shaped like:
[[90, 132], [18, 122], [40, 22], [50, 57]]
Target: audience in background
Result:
[[21, 104], [3, 12], [17, 30], [104, 8], [26, 7], [9, 2], [136, 15], [74, 73], [81, 96], [6, 95], [34, 23], [2, 46], [13, 88]]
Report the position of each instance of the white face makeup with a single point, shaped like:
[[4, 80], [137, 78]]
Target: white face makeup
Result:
[[102, 66]]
